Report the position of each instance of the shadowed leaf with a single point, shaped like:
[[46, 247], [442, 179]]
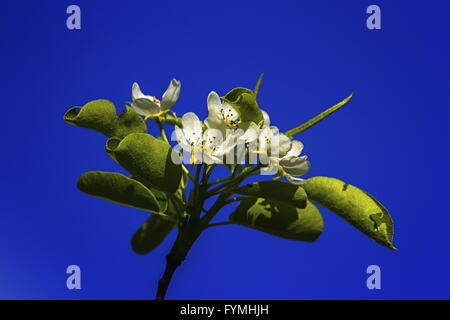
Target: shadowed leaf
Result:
[[280, 219], [117, 188], [152, 233], [276, 190]]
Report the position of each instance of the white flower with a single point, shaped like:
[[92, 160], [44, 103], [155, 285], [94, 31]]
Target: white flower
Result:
[[282, 155], [221, 115], [150, 105], [204, 146]]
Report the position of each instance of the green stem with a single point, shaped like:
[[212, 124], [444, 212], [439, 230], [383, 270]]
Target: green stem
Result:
[[161, 130]]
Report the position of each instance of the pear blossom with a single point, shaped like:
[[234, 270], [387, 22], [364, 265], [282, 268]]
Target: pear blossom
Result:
[[282, 155], [150, 105], [221, 115], [207, 146]]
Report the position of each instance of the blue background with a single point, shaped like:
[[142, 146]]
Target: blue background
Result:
[[392, 140]]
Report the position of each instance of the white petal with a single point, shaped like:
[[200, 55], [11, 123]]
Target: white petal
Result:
[[284, 145], [264, 138], [272, 167], [296, 149], [171, 95], [212, 138], [145, 106], [226, 146], [136, 92], [294, 179], [214, 106], [251, 134], [266, 121], [213, 101], [181, 139], [142, 104], [192, 127], [215, 123], [296, 166]]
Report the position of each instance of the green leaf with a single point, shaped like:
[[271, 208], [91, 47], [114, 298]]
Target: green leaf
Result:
[[354, 205], [280, 219], [117, 188], [276, 190], [152, 233], [128, 122], [100, 115], [244, 101], [235, 93], [318, 118], [148, 158]]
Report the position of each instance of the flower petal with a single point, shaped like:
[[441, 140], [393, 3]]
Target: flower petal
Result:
[[272, 167], [181, 139], [145, 106], [136, 92], [296, 149], [294, 180], [284, 145], [266, 119], [142, 104], [214, 103], [170, 97], [296, 166], [251, 134], [192, 128]]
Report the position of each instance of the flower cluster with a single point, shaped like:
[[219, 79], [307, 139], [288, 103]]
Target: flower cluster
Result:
[[226, 136]]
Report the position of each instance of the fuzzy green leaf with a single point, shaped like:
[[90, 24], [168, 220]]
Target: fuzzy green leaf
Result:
[[128, 122], [235, 93], [244, 101], [276, 190], [117, 188], [100, 115], [354, 205], [280, 219], [148, 158]]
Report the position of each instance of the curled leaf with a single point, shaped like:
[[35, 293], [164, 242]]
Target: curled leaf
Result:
[[100, 115]]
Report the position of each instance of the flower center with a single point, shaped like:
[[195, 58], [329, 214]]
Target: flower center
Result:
[[155, 100]]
